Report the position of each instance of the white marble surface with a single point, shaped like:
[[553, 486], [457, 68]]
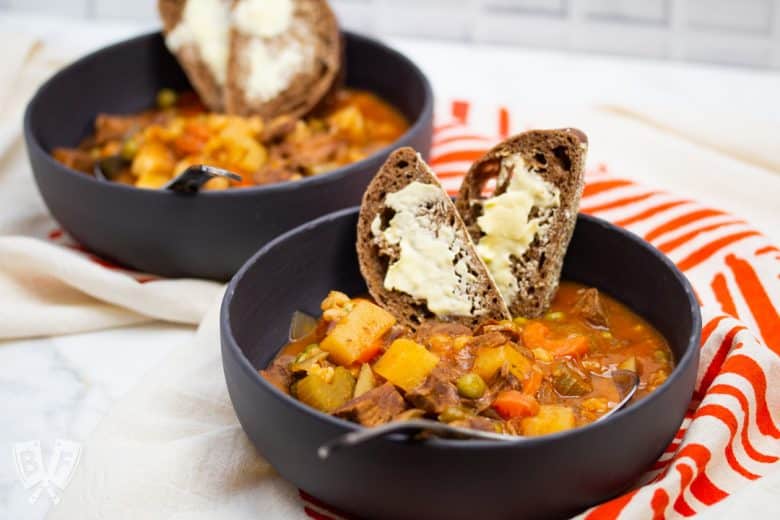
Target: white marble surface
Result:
[[60, 387]]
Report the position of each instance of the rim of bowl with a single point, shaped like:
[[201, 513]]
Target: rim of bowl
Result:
[[688, 357], [416, 126]]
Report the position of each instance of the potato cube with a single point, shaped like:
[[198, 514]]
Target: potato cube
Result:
[[153, 158], [406, 364], [489, 361], [326, 396], [357, 332], [550, 419]]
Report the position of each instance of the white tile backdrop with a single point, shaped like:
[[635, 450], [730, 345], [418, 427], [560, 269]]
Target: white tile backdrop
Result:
[[738, 32]]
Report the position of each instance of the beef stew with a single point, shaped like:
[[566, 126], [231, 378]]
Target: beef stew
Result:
[[519, 377]]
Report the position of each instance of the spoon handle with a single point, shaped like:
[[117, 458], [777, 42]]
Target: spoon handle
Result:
[[194, 177], [410, 428]]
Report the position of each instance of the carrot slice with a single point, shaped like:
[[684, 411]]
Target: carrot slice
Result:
[[533, 383], [535, 335], [187, 144], [369, 352], [572, 346], [198, 130], [511, 404]]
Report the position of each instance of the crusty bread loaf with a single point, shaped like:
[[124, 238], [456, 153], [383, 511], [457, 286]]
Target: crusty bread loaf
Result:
[[290, 72], [188, 52], [558, 158], [439, 222]]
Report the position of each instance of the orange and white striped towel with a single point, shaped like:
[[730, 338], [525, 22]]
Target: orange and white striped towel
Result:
[[179, 421], [731, 435]]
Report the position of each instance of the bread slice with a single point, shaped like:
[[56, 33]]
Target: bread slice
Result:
[[286, 67], [528, 276], [410, 236], [206, 68]]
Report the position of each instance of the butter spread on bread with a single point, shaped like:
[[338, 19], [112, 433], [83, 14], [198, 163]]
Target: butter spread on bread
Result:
[[523, 228], [285, 57], [426, 267], [205, 23], [263, 18], [506, 224], [256, 57], [270, 69], [415, 252], [197, 32]]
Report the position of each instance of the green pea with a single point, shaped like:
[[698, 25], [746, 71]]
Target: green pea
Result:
[[661, 356], [471, 386], [520, 320], [129, 149], [554, 316], [166, 98], [453, 413]]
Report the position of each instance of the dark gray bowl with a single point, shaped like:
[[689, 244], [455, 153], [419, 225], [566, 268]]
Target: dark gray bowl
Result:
[[211, 234], [554, 476]]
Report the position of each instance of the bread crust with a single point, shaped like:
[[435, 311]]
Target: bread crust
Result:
[[403, 167], [189, 57], [558, 157], [308, 89]]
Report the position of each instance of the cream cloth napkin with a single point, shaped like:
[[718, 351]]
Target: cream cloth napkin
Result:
[[173, 449]]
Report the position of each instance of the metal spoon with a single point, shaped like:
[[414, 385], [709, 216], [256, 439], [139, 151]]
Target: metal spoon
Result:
[[188, 181], [626, 381], [194, 177]]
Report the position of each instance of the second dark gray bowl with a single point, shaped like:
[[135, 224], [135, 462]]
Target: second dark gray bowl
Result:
[[211, 234]]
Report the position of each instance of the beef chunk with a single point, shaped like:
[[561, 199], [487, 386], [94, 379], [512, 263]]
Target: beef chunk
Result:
[[277, 128], [488, 340], [75, 158], [437, 392], [484, 402], [396, 331], [507, 328], [109, 127], [477, 423], [279, 373], [377, 406], [588, 306], [506, 380], [432, 327]]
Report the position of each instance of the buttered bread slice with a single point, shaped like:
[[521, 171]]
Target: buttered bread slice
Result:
[[285, 57], [415, 252], [523, 228], [197, 31]]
